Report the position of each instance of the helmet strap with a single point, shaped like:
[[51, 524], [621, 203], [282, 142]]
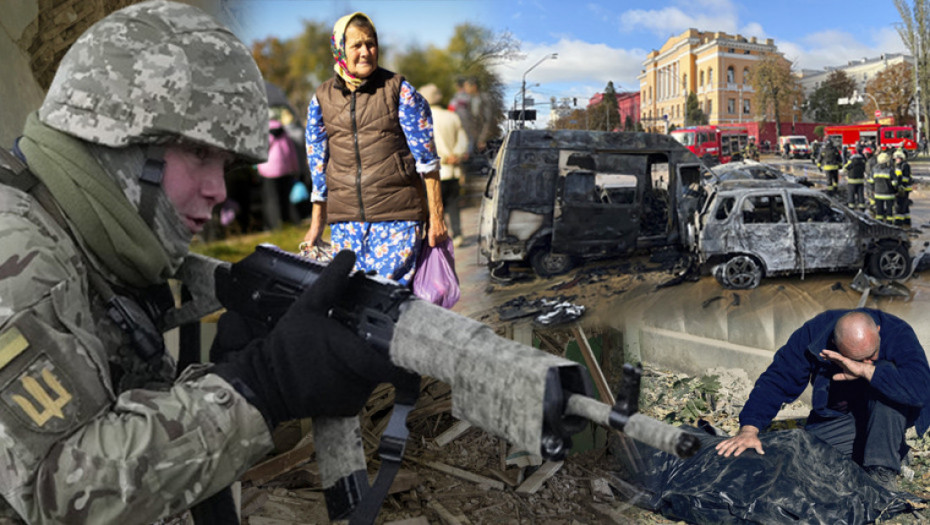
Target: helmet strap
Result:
[[153, 171]]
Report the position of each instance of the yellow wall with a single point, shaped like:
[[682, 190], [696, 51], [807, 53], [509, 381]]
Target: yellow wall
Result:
[[678, 67]]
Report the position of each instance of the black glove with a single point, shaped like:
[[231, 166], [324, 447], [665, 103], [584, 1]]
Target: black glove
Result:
[[310, 365]]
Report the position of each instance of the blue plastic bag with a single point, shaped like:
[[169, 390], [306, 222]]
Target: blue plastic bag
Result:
[[299, 193], [435, 279]]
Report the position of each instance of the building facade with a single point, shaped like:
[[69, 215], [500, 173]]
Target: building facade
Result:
[[714, 65], [860, 71], [628, 104]]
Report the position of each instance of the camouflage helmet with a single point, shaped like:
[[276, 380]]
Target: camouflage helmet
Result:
[[160, 71]]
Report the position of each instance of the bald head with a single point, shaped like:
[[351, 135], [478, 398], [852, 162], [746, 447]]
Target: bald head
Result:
[[856, 336]]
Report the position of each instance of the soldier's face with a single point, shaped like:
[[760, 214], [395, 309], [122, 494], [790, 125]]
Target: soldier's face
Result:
[[361, 52], [194, 183]]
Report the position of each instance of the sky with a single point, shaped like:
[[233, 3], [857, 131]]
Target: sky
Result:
[[599, 40]]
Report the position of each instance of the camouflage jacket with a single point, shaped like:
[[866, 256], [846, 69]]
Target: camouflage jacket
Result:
[[79, 445]]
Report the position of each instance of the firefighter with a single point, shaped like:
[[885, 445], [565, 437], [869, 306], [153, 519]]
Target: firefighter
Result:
[[870, 160], [902, 209], [855, 181], [752, 152], [830, 164], [884, 185]]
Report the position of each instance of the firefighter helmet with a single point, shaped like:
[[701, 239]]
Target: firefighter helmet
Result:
[[884, 157], [899, 154]]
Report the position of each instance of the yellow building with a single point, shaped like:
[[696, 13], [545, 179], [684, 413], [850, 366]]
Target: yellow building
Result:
[[712, 64]]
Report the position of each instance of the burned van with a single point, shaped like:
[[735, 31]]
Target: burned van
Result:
[[555, 198]]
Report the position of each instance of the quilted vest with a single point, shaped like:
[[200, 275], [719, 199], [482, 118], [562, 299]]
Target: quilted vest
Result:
[[370, 174]]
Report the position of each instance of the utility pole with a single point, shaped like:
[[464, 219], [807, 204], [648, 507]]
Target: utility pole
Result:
[[523, 88]]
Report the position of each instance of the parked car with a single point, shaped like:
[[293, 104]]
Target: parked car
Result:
[[751, 229], [747, 170], [557, 197]]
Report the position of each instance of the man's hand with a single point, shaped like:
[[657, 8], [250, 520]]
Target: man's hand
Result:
[[437, 231], [851, 369], [748, 437]]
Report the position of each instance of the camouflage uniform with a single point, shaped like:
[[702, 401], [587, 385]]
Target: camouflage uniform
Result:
[[90, 432]]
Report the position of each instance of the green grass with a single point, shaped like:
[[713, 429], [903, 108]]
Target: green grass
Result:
[[235, 248]]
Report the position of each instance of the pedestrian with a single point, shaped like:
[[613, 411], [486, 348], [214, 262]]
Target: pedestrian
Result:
[[370, 165], [100, 198], [855, 181], [867, 389], [830, 164], [902, 200], [482, 116], [884, 184], [452, 147], [278, 175]]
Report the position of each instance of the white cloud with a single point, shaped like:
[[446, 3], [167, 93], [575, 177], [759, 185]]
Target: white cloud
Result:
[[838, 48], [578, 62], [711, 15]]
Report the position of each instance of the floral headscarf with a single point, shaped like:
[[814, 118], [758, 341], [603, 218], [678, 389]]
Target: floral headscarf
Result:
[[338, 45]]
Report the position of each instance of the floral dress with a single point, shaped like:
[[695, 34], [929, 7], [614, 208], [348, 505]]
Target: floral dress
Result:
[[390, 248]]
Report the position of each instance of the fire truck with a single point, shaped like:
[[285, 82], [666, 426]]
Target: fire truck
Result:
[[713, 144], [885, 137]]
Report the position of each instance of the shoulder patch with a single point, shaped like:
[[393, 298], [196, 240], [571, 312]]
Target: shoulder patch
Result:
[[12, 343], [41, 396]]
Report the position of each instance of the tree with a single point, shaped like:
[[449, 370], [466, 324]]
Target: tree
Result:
[[694, 115], [776, 88], [822, 104], [628, 124], [473, 51], [297, 65], [915, 21], [893, 89]]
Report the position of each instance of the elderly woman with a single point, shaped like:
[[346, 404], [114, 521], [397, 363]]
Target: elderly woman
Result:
[[372, 159]]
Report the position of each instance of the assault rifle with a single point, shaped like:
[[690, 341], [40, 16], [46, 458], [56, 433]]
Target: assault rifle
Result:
[[533, 399]]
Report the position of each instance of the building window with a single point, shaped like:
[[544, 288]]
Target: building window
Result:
[[745, 75], [710, 76], [684, 83], [731, 75], [710, 107], [731, 106], [702, 77], [746, 52], [746, 107], [731, 50]]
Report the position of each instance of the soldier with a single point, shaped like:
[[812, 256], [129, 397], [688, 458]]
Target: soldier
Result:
[[855, 181], [830, 164], [112, 177], [884, 185], [902, 208]]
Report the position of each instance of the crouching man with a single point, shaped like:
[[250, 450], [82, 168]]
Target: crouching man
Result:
[[870, 382]]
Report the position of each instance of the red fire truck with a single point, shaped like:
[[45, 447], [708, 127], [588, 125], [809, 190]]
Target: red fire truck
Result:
[[888, 137], [711, 143]]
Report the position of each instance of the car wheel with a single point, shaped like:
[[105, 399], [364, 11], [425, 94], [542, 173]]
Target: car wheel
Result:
[[546, 264], [890, 262], [740, 272]]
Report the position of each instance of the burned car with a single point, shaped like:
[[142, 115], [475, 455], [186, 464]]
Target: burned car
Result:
[[556, 197], [747, 170], [751, 229]]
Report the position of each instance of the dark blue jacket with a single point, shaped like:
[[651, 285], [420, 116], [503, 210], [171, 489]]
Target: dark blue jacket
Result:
[[901, 371]]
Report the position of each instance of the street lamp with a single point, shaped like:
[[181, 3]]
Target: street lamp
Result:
[[523, 88], [858, 97]]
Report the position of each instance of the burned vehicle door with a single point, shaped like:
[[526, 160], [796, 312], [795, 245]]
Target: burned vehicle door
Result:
[[596, 213], [763, 229], [691, 196], [827, 237]]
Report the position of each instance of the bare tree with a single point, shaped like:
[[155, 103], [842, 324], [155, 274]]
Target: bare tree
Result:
[[776, 87], [914, 30]]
